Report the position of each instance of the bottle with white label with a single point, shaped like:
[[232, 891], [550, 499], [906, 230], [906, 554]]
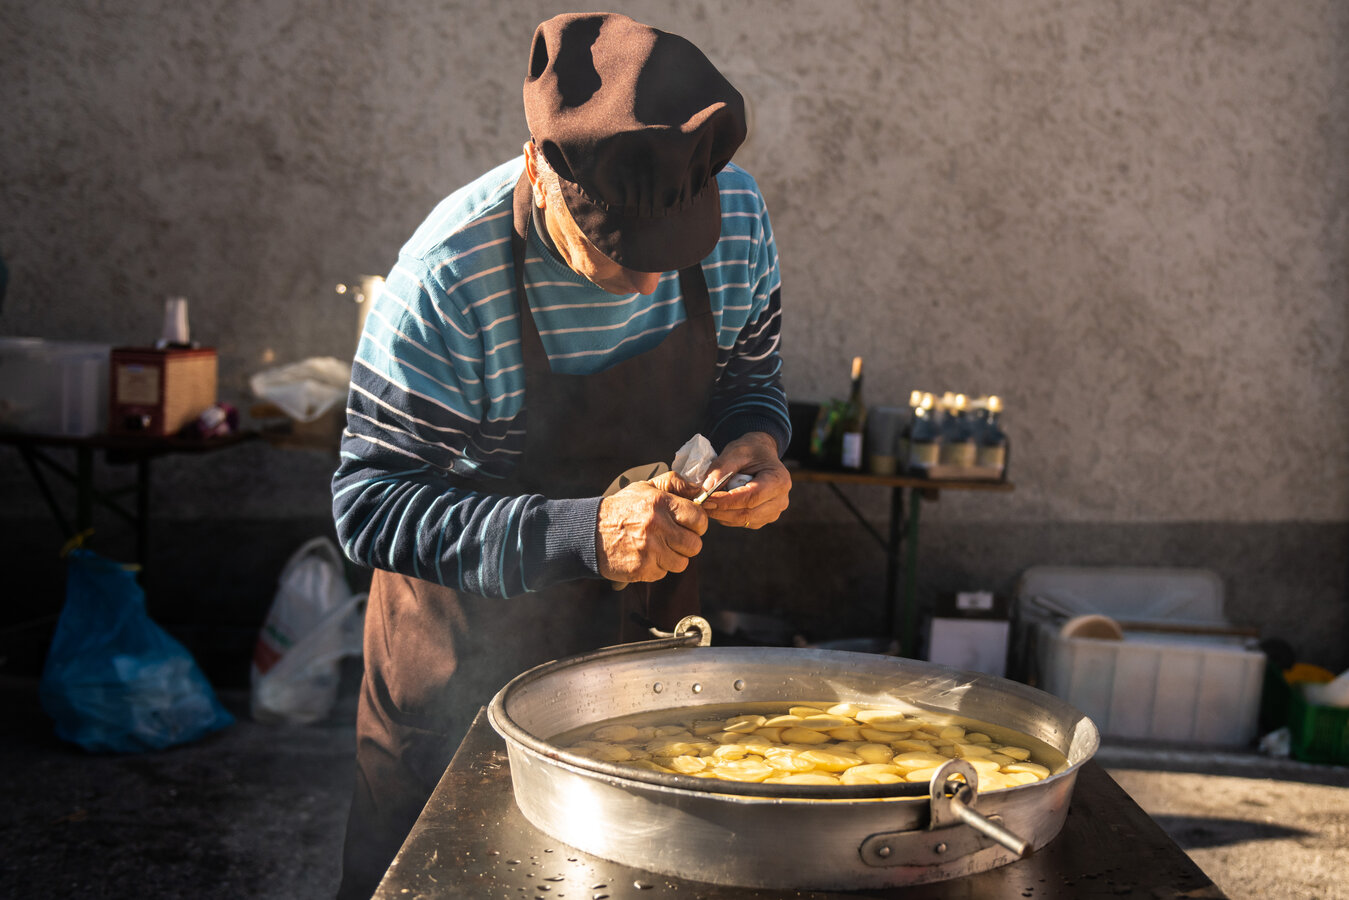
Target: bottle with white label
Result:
[[853, 425]]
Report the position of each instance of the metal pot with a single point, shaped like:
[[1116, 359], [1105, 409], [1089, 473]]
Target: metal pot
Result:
[[778, 836]]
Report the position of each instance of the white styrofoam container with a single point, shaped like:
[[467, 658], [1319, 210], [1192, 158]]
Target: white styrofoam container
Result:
[[53, 387], [1192, 691], [1198, 689]]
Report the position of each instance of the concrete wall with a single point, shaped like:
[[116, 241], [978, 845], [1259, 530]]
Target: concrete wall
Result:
[[1130, 220]]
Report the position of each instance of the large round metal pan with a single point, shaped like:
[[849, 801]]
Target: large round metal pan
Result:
[[774, 836]]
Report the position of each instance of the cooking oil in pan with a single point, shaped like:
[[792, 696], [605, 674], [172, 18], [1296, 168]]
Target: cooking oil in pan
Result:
[[814, 743]]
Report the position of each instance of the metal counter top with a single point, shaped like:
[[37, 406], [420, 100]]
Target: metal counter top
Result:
[[471, 841]]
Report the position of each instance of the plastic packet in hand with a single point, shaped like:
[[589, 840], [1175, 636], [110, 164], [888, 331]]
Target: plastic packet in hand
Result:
[[694, 461]]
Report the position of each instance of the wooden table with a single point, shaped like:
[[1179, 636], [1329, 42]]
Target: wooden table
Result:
[[901, 539], [472, 841]]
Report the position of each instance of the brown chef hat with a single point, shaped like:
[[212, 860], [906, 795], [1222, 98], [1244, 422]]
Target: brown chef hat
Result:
[[637, 123]]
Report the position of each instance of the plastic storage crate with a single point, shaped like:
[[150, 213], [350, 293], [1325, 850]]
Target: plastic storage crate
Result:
[[1184, 688], [53, 387], [1320, 733]]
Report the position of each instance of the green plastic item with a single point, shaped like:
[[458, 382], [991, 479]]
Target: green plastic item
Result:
[[1320, 733]]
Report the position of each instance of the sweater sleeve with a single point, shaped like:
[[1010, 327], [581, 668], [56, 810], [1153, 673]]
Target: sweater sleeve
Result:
[[748, 395], [416, 428]]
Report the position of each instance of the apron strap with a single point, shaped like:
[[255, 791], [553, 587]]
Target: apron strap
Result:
[[692, 284]]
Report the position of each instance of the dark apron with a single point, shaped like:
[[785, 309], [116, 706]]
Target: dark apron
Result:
[[433, 657]]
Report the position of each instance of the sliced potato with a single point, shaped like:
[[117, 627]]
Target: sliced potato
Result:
[[748, 769], [916, 759], [783, 721], [912, 744], [846, 733], [804, 736], [805, 709], [688, 765], [854, 777], [730, 751], [615, 733], [678, 732], [804, 778], [743, 724], [823, 722], [875, 753], [874, 769], [832, 760]]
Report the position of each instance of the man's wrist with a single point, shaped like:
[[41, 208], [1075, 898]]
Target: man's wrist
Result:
[[776, 428], [763, 438]]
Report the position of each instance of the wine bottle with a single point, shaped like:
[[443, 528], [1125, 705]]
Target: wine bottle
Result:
[[993, 440], [906, 435], [853, 425], [924, 438], [958, 447]]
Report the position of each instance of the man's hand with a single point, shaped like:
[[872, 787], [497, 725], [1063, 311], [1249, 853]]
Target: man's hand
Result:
[[648, 529], [760, 502]]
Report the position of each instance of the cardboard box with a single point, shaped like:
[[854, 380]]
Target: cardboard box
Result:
[[53, 387], [970, 631], [157, 392]]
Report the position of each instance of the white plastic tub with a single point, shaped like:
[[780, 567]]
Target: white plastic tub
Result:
[[53, 387], [1201, 689], [1196, 690]]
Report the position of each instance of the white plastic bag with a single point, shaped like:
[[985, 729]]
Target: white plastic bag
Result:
[[304, 390], [314, 622]]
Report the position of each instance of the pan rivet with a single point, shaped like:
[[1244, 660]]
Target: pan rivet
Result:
[[739, 684], [657, 687], [883, 851], [940, 848], [697, 689]]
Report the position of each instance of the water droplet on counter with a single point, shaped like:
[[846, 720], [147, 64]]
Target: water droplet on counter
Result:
[[642, 885]]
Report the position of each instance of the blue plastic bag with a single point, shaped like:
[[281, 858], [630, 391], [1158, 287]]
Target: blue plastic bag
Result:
[[114, 680]]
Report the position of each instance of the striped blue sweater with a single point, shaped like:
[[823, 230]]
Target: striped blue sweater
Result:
[[438, 383]]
